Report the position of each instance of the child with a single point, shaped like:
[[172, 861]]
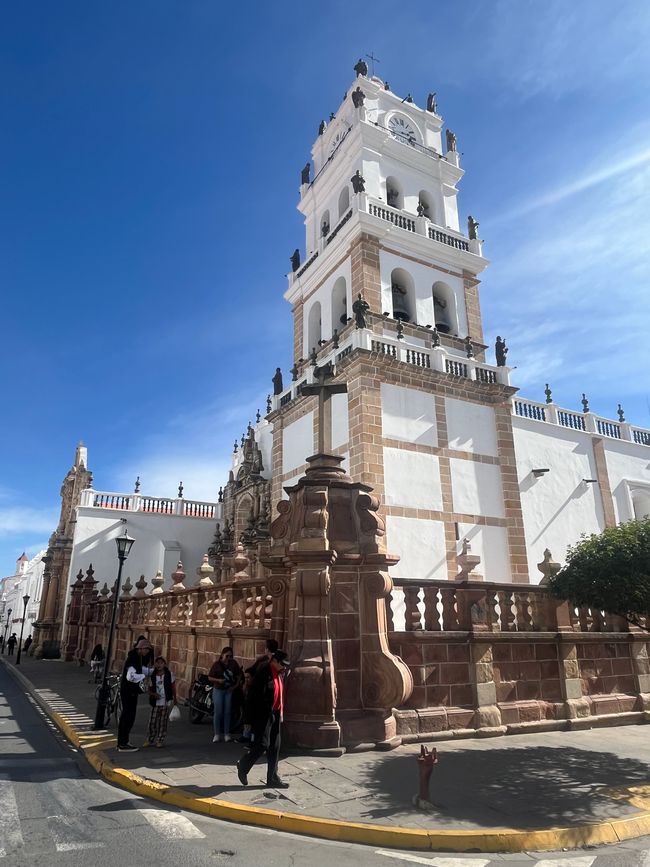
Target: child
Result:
[[162, 698]]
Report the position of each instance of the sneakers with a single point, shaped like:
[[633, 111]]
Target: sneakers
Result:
[[127, 748], [159, 744], [277, 783], [243, 779], [228, 738], [147, 744], [216, 739]]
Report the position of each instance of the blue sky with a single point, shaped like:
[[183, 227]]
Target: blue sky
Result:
[[149, 169]]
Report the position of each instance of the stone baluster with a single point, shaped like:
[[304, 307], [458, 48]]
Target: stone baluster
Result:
[[431, 614], [506, 604], [522, 607], [389, 613], [412, 612], [449, 609]]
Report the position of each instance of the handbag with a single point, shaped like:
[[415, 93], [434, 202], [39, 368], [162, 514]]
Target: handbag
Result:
[[174, 714]]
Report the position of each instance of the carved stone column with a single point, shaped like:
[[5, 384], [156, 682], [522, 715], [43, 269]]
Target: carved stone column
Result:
[[328, 552]]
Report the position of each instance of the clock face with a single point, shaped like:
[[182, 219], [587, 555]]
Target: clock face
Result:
[[401, 129]]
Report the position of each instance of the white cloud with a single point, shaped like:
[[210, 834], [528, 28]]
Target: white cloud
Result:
[[25, 520]]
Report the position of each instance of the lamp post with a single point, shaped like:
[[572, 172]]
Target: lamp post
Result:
[[124, 545], [22, 626], [6, 628]]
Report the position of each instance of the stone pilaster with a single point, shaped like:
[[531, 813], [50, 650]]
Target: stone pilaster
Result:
[[511, 495], [488, 715], [603, 482], [641, 670], [575, 704], [473, 307], [298, 329], [365, 276]]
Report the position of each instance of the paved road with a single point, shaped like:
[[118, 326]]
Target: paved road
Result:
[[55, 811]]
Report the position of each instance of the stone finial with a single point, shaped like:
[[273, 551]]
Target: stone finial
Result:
[[89, 580], [548, 567], [295, 370], [236, 446], [400, 330], [180, 490], [258, 416], [104, 592], [467, 562], [335, 338], [78, 584], [269, 404], [178, 577], [136, 487], [242, 440], [469, 349], [313, 357], [435, 337], [157, 583], [126, 590], [585, 403], [205, 573], [220, 495], [549, 394], [140, 584], [240, 561], [621, 413]]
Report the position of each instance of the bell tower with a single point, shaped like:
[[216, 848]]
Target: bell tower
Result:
[[387, 294]]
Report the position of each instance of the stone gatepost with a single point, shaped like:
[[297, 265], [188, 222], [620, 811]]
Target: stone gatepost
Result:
[[329, 554]]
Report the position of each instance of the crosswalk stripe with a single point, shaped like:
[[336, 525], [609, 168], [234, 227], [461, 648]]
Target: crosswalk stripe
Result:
[[174, 826], [580, 861], [459, 861], [11, 833]]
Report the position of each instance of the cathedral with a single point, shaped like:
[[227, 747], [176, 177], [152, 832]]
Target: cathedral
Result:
[[391, 372]]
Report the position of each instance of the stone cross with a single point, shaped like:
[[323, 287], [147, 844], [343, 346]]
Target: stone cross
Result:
[[324, 390]]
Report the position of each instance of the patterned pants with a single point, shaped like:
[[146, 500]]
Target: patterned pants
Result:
[[158, 723]]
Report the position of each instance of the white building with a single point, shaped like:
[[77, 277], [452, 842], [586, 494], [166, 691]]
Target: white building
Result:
[[26, 581]]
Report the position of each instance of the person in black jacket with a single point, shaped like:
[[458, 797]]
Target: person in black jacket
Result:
[[266, 703], [134, 674]]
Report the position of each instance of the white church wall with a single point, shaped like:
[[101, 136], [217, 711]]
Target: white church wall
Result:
[[558, 506], [297, 442], [408, 415], [491, 545], [476, 488], [412, 479], [340, 427], [160, 542], [323, 296], [471, 427], [264, 440], [420, 544], [628, 468]]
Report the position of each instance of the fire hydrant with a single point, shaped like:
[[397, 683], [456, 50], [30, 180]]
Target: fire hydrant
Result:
[[426, 760]]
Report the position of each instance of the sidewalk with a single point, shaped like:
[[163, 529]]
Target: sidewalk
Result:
[[521, 783]]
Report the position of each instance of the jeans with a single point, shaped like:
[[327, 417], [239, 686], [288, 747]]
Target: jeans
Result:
[[127, 717], [222, 700], [266, 737]]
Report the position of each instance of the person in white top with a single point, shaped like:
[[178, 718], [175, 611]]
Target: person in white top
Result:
[[133, 682], [162, 698]]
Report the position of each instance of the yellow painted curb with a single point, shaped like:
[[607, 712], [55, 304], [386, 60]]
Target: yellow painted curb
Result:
[[497, 840]]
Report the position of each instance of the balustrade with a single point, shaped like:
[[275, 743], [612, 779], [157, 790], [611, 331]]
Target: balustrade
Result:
[[443, 606]]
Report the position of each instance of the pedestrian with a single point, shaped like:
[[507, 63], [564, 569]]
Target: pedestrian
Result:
[[225, 677], [266, 704], [11, 643], [247, 714], [162, 698], [270, 646], [27, 644], [2, 644], [132, 683], [96, 662]]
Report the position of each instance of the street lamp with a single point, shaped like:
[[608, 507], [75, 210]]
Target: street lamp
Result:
[[124, 545], [6, 628], [22, 626]]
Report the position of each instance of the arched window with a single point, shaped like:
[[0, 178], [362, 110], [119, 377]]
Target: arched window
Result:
[[444, 309], [394, 194], [344, 201], [314, 327], [425, 204], [403, 291], [641, 503], [325, 225], [339, 304]]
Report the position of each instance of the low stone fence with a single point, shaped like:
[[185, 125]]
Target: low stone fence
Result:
[[491, 656]]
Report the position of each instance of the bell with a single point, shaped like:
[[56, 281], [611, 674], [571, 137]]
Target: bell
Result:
[[400, 310]]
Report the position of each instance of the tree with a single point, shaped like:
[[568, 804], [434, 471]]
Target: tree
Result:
[[610, 571]]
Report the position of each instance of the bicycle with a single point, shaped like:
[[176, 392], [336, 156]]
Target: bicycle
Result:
[[113, 707]]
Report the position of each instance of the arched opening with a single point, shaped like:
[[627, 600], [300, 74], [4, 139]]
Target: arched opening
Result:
[[314, 326], [444, 309], [325, 224], [339, 304], [425, 204], [403, 292], [394, 193], [641, 503], [344, 201]]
